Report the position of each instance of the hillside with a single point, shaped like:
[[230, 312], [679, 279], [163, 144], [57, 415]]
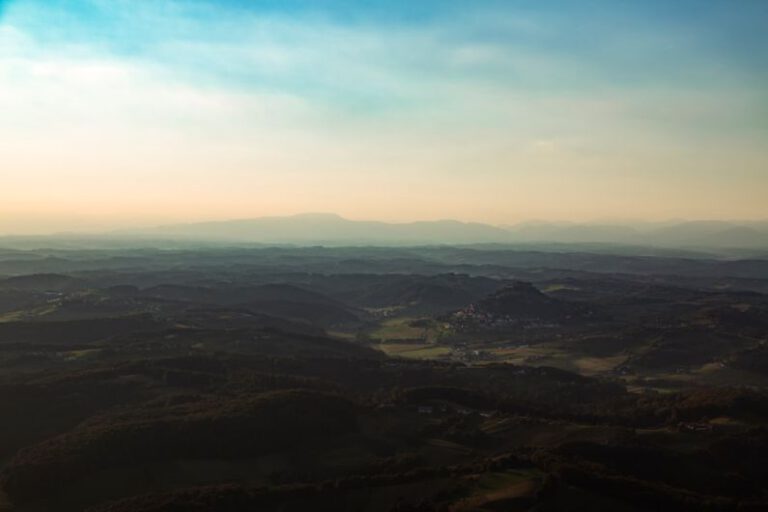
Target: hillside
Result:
[[381, 380], [521, 304]]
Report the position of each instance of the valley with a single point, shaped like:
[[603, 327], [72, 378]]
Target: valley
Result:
[[379, 379]]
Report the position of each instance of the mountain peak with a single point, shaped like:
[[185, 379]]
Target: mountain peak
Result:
[[318, 216]]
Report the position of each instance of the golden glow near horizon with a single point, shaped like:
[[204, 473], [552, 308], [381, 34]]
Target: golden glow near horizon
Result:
[[118, 114]]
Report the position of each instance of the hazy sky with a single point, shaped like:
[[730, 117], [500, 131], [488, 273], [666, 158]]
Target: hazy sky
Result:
[[117, 112]]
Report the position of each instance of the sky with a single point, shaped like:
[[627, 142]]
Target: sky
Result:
[[132, 113]]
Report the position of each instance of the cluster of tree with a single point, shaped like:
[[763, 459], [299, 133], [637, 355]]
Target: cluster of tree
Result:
[[338, 494], [229, 406], [755, 359], [75, 331], [655, 494], [209, 428]]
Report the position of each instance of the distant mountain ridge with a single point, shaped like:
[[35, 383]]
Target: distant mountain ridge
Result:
[[332, 229], [329, 228]]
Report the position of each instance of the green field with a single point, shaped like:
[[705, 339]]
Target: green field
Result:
[[498, 490], [399, 329], [27, 314], [402, 328], [413, 351]]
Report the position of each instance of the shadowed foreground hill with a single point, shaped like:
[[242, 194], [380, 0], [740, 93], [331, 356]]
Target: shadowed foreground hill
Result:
[[246, 426]]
